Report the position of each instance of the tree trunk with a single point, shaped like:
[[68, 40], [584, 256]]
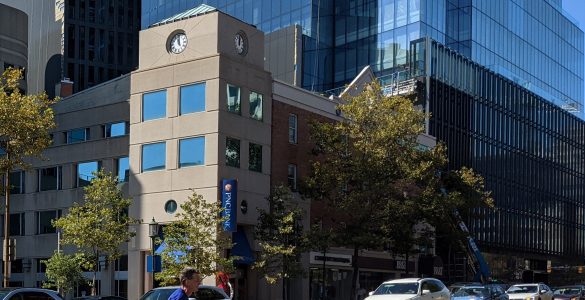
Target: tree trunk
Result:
[[324, 274], [283, 288], [6, 257], [355, 276], [95, 269]]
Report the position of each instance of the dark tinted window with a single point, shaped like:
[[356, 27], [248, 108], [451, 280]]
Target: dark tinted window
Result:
[[209, 294], [31, 296]]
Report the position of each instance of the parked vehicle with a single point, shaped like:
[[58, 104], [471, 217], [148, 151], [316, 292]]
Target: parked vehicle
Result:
[[458, 285], [479, 292], [205, 292], [411, 289], [99, 297], [530, 291], [28, 294], [572, 292]]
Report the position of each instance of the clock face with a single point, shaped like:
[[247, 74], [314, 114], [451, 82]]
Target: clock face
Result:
[[178, 43], [241, 43]]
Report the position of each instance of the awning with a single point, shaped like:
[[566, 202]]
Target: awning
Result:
[[242, 248]]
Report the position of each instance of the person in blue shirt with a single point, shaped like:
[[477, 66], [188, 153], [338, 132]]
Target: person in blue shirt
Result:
[[190, 281]]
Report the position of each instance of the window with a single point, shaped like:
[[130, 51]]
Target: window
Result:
[[50, 179], [154, 105], [85, 172], [77, 135], [16, 224], [44, 219], [292, 128], [232, 152], [123, 169], [256, 106], [192, 152], [255, 158], [41, 267], [116, 129], [292, 177], [153, 157], [233, 99], [121, 263], [16, 182], [192, 98]]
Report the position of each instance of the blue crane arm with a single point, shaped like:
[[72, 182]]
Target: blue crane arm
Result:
[[484, 270]]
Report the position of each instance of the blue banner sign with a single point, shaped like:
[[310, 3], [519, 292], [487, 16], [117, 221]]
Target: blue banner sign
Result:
[[229, 202]]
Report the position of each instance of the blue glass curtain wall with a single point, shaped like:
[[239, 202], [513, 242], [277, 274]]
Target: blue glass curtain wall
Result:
[[529, 151]]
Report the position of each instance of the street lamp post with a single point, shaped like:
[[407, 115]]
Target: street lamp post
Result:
[[153, 233]]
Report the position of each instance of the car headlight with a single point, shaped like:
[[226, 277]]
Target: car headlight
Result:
[[531, 298], [574, 298]]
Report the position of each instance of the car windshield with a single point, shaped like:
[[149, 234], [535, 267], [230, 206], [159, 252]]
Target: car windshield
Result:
[[471, 291], [567, 291], [397, 288], [159, 294], [522, 289], [3, 294]]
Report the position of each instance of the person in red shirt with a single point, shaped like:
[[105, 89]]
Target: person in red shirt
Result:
[[223, 282]]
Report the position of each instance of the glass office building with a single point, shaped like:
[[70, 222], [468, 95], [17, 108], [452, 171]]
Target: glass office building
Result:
[[341, 37]]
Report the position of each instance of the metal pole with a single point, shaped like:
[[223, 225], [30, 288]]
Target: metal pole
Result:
[[6, 257], [152, 260]]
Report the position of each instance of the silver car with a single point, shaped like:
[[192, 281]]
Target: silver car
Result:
[[205, 292], [28, 294]]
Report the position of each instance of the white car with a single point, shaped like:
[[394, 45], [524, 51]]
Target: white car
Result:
[[530, 291], [28, 294], [411, 289], [205, 292]]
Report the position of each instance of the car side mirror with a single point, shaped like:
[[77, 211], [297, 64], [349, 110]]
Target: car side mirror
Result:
[[542, 291], [370, 293], [424, 292]]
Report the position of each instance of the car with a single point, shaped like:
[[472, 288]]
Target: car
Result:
[[28, 294], [99, 297], [571, 292], [205, 292], [483, 292], [458, 285], [411, 289], [530, 291]]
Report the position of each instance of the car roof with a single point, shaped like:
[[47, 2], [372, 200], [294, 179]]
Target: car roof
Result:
[[177, 286], [408, 280], [26, 289]]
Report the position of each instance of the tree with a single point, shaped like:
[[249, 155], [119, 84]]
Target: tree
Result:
[[195, 239], [64, 271], [374, 176], [25, 121], [279, 233], [98, 226]]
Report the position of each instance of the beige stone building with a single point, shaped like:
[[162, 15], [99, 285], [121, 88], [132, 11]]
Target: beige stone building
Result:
[[200, 109]]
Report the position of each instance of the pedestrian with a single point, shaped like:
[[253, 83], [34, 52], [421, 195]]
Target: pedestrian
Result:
[[223, 282], [190, 281]]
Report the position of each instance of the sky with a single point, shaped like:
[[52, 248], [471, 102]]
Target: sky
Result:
[[576, 8]]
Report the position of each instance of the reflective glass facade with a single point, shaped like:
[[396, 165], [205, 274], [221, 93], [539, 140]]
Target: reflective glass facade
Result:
[[341, 37], [529, 151]]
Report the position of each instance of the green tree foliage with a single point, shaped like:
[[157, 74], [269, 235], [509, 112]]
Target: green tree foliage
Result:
[[195, 239], [25, 121], [64, 271], [279, 233], [375, 178], [99, 225]]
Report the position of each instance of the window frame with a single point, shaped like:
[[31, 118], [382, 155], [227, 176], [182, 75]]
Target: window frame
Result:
[[238, 104], [117, 162], [158, 168], [186, 165], [236, 164], [108, 127], [156, 117], [261, 105], [292, 177], [68, 133], [59, 170], [57, 214], [77, 181], [181, 112], [293, 130], [259, 162]]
